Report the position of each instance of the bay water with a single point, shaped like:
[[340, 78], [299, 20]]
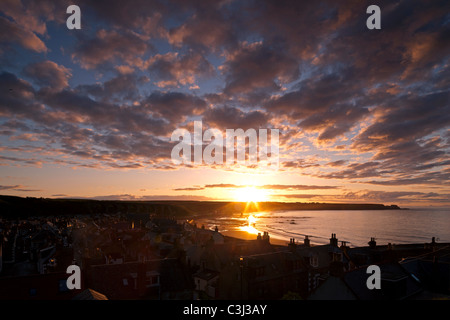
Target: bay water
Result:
[[356, 227]]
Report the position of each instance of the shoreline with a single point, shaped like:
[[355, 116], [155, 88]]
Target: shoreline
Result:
[[243, 235], [233, 231]]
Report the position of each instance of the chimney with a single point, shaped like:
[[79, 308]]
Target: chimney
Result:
[[433, 244], [372, 243], [333, 240], [306, 241], [266, 236], [292, 244]]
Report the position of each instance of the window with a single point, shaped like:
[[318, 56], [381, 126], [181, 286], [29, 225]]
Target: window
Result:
[[62, 286], [296, 265], [260, 271], [151, 279], [314, 261]]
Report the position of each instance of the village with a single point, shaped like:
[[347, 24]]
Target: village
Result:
[[154, 257]]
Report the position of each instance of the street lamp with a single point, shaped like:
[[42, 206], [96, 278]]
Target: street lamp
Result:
[[241, 265]]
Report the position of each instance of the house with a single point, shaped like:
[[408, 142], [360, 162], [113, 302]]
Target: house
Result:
[[155, 279], [50, 286], [271, 275], [396, 284], [44, 259], [333, 288], [376, 254], [114, 258], [431, 270], [117, 281], [319, 259], [206, 281], [263, 276]]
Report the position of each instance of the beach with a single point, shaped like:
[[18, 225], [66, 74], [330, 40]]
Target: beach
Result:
[[234, 226], [239, 234]]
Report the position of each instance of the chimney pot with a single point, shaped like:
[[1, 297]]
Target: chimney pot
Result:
[[333, 240], [306, 241], [372, 243]]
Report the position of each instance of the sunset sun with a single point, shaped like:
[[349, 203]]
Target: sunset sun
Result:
[[251, 194]]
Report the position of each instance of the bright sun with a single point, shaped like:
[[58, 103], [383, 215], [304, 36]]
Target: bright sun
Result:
[[251, 194]]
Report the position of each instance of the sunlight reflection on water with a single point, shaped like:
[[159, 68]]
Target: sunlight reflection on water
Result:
[[356, 227]]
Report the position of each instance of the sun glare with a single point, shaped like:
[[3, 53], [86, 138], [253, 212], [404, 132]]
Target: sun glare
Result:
[[251, 220], [251, 194], [250, 227]]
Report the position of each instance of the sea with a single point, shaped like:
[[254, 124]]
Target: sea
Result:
[[355, 227]]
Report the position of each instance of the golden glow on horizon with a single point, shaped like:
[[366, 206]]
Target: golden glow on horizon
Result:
[[251, 194]]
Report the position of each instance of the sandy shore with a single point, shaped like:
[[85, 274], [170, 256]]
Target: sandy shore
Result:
[[250, 236], [231, 229]]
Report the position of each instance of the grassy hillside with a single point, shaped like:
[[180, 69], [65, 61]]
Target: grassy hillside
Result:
[[11, 206]]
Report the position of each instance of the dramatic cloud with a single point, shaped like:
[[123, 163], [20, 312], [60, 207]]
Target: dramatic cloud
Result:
[[296, 187], [337, 163], [173, 70], [130, 197], [13, 33], [323, 105], [17, 96], [17, 188], [356, 108], [48, 74], [373, 197], [268, 186], [225, 117], [174, 106], [256, 68], [133, 14], [122, 87], [111, 46]]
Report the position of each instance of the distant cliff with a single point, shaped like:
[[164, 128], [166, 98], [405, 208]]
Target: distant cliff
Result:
[[11, 206], [325, 206]]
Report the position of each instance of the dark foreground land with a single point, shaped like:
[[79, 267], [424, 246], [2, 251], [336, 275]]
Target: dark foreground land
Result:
[[122, 257], [11, 206], [148, 251]]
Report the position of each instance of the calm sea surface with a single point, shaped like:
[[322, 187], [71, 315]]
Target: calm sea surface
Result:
[[355, 227]]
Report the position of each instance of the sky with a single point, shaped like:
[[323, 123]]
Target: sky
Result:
[[363, 115]]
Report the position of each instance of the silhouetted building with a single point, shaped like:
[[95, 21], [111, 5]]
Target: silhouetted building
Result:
[[156, 279], [264, 276], [50, 286], [431, 270], [206, 281], [396, 284]]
